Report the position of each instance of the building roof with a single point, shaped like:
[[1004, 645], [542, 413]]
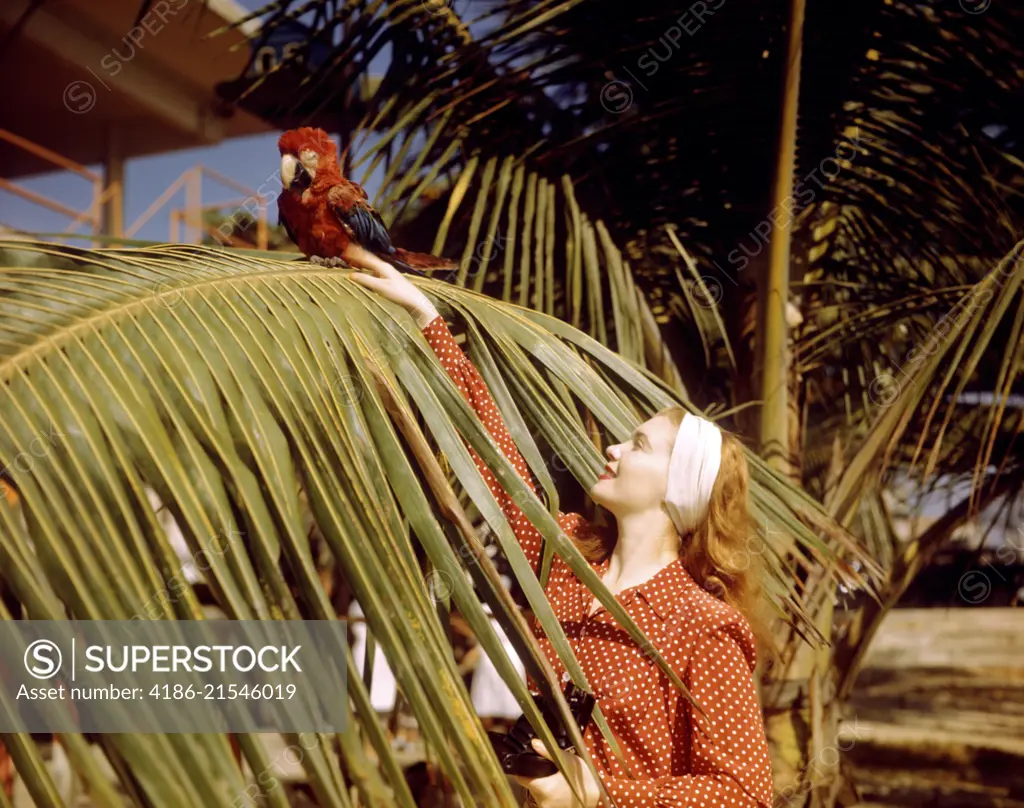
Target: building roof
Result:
[[80, 72]]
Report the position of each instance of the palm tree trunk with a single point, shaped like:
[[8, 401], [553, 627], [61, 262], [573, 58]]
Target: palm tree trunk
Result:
[[773, 336], [801, 723]]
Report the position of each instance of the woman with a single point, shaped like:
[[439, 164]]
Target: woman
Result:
[[677, 490]]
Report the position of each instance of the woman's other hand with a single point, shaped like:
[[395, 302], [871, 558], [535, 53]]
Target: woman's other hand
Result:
[[390, 283], [553, 791]]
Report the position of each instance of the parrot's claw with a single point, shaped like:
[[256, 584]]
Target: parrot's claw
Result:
[[333, 262]]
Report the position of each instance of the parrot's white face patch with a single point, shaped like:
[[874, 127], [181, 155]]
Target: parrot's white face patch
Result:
[[298, 172], [309, 160]]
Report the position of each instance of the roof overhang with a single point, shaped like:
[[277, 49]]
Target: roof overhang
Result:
[[80, 72]]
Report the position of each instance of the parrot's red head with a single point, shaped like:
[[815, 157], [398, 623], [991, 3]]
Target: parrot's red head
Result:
[[304, 152]]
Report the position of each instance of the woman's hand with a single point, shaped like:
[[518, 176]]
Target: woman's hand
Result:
[[553, 791], [390, 283]]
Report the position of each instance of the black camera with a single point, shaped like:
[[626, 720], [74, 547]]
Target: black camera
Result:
[[514, 750]]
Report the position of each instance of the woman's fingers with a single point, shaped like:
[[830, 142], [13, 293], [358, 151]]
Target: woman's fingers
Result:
[[382, 286], [370, 281], [385, 287], [388, 282], [399, 290], [541, 749], [526, 782]]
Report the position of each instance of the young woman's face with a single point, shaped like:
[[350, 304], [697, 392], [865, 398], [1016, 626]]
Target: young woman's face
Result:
[[639, 469]]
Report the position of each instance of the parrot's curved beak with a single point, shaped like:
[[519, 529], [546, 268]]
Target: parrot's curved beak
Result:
[[289, 167]]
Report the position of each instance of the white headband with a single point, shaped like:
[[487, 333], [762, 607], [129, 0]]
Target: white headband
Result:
[[692, 469]]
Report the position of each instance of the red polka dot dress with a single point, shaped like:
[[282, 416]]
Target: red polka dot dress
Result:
[[675, 758]]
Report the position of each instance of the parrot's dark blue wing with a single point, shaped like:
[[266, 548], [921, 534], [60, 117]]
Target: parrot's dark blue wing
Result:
[[369, 229], [362, 223], [282, 221]]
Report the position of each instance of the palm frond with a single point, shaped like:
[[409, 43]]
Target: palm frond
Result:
[[931, 371], [242, 390]]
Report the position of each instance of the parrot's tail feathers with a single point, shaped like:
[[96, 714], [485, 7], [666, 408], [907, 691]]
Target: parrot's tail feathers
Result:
[[415, 260]]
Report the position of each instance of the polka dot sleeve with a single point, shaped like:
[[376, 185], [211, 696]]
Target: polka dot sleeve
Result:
[[473, 388], [730, 769]]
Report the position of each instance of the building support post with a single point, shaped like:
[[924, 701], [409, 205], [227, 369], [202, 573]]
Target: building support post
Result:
[[113, 184]]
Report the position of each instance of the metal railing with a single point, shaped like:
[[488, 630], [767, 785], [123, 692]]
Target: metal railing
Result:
[[93, 214], [186, 224], [191, 217]]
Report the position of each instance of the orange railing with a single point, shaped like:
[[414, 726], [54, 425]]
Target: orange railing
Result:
[[100, 195], [191, 216]]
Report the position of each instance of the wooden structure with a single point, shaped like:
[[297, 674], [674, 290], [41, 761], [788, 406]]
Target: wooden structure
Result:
[[93, 83]]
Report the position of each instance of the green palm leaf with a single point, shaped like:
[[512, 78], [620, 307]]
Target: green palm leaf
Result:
[[248, 393]]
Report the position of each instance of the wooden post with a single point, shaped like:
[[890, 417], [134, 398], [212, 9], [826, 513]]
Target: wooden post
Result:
[[262, 234], [113, 181], [194, 206]]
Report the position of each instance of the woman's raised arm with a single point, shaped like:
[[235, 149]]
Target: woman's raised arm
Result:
[[392, 284], [473, 388]]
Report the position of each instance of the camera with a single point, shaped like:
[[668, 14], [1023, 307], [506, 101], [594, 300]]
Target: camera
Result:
[[514, 750]]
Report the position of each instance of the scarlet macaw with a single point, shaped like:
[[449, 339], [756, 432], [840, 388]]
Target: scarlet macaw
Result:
[[325, 214]]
